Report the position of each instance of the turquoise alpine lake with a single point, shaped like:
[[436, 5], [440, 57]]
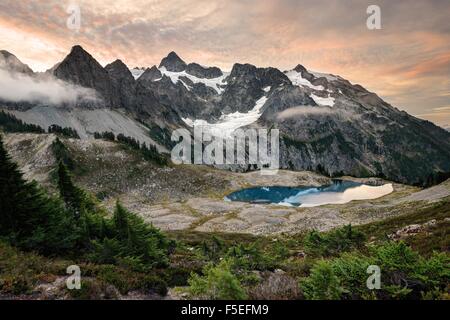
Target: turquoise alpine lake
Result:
[[339, 192]]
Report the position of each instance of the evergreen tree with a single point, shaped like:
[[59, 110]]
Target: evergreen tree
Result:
[[28, 217], [131, 239], [72, 195], [88, 215]]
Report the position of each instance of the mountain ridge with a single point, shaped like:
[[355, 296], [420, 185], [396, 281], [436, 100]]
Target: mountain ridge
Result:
[[326, 123]]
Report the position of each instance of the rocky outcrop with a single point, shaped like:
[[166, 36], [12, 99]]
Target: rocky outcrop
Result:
[[203, 72], [123, 82], [80, 68], [173, 63], [151, 74]]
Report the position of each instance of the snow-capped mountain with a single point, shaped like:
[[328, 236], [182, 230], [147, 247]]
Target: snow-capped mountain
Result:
[[326, 123]]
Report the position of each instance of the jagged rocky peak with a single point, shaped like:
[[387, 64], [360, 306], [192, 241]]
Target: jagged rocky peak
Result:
[[173, 63], [119, 70], [240, 69], [304, 72], [264, 76], [203, 72], [273, 77], [80, 68], [10, 62], [151, 74]]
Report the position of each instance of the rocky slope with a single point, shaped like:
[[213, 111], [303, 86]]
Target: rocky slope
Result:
[[191, 197]]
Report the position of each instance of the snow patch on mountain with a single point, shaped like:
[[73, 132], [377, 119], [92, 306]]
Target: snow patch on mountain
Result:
[[328, 101], [327, 76], [228, 123], [136, 72], [297, 80], [214, 83]]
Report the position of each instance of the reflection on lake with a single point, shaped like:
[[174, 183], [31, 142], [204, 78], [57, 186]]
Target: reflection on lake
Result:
[[337, 193]]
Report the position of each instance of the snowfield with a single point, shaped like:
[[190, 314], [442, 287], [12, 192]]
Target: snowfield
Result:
[[327, 76], [329, 101], [136, 73], [228, 123], [214, 83], [297, 80]]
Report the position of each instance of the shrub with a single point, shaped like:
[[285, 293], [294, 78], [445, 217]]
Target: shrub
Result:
[[250, 257], [334, 242], [217, 283], [404, 274], [322, 284], [276, 287]]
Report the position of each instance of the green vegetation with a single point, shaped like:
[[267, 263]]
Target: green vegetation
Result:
[[74, 225], [106, 135], [148, 153], [404, 274], [62, 154], [334, 242], [66, 132], [42, 234], [218, 283]]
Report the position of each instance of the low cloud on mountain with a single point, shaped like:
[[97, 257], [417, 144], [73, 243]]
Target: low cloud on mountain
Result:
[[43, 89], [304, 111]]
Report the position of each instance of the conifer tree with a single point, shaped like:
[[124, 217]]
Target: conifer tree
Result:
[[83, 207], [29, 218], [72, 196]]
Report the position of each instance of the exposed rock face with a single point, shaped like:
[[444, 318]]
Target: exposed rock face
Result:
[[80, 68], [151, 74], [203, 72], [326, 123], [10, 62], [122, 82], [173, 63], [246, 84], [359, 134]]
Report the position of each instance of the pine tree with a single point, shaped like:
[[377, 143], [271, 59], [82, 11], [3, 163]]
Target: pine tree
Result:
[[120, 219], [72, 196], [29, 218], [88, 216]]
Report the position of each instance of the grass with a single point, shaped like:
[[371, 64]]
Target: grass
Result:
[[437, 237]]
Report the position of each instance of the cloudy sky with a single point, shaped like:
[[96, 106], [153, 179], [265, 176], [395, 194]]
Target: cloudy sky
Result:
[[407, 62]]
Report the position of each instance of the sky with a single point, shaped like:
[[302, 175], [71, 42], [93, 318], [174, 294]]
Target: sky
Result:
[[406, 62]]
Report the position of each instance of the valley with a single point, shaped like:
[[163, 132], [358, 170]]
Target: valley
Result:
[[190, 197], [87, 179]]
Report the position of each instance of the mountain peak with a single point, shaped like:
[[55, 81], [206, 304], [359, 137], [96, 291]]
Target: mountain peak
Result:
[[300, 68], [119, 70], [77, 48], [6, 54], [117, 64], [151, 74], [78, 52], [80, 68], [173, 63], [203, 72]]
